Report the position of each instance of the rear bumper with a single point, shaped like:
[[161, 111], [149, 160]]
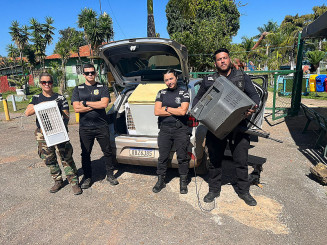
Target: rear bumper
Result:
[[125, 143]]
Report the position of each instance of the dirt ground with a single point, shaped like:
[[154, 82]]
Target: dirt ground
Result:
[[291, 205]]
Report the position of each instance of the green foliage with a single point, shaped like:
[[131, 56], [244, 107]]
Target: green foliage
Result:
[[34, 90], [12, 51], [202, 26], [96, 29], [19, 81], [41, 36], [315, 57]]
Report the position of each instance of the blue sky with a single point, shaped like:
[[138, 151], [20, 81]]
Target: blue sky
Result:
[[130, 17]]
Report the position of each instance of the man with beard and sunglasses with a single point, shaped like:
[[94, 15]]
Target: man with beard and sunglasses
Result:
[[239, 141], [65, 149], [90, 100]]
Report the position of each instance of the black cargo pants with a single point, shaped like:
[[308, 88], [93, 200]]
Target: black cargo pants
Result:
[[87, 137], [168, 135], [240, 149]]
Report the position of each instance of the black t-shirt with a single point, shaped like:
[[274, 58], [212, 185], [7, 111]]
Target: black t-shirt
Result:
[[173, 98], [61, 102], [96, 117]]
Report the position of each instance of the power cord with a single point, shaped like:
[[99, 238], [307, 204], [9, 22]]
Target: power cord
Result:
[[197, 193]]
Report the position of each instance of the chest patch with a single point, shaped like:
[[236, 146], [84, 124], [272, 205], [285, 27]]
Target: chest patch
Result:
[[178, 100], [96, 91]]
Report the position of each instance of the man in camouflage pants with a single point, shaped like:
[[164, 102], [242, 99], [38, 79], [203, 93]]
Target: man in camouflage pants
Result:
[[65, 149]]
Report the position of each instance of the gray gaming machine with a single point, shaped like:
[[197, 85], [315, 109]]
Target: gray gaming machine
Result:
[[222, 107]]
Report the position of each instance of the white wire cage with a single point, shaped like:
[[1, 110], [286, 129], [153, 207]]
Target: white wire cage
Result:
[[51, 122]]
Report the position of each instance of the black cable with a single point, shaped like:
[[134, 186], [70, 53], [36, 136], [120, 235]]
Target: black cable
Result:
[[198, 195]]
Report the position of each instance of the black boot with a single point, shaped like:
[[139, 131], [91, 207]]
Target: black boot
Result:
[[183, 184], [111, 178], [248, 199], [160, 184], [211, 196]]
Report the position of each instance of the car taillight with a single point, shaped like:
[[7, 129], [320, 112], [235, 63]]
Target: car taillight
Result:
[[192, 122]]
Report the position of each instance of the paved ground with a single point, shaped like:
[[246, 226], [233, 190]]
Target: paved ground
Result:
[[291, 206]]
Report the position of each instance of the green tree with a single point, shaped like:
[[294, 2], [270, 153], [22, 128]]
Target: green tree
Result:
[[41, 36], [202, 26], [12, 51], [64, 47], [315, 57], [20, 36], [96, 29], [77, 39], [318, 10]]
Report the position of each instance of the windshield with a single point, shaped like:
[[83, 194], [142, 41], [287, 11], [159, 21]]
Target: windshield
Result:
[[143, 62]]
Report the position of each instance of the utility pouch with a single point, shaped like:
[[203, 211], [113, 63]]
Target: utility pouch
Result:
[[179, 124]]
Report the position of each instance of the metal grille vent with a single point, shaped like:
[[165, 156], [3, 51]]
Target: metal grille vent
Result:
[[129, 119], [52, 125]]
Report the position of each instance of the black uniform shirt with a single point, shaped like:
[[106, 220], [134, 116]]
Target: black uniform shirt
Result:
[[61, 101], [96, 117], [249, 88], [173, 98]]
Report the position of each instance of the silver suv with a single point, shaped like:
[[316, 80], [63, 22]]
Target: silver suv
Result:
[[137, 66]]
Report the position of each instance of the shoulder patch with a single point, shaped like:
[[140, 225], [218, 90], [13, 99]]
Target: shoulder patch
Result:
[[210, 78], [36, 95]]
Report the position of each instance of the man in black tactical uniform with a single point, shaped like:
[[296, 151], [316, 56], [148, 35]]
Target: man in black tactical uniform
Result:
[[240, 141], [90, 100]]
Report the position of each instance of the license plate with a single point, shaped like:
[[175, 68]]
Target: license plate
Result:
[[138, 152]]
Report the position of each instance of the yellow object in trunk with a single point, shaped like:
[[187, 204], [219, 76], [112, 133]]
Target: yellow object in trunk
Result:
[[146, 93]]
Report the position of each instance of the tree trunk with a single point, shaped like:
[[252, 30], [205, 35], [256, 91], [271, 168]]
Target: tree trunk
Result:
[[63, 79], [151, 30], [151, 26]]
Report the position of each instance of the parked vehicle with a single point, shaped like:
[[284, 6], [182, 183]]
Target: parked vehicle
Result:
[[137, 66]]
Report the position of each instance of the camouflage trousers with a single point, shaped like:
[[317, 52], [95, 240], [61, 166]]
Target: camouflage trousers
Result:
[[48, 155]]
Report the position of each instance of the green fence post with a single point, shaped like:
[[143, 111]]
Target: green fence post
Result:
[[297, 84]]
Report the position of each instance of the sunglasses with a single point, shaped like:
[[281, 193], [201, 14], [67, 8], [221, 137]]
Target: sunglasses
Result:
[[89, 73], [46, 82]]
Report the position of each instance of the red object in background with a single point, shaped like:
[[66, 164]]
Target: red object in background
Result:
[[192, 122], [325, 84], [31, 80], [4, 85]]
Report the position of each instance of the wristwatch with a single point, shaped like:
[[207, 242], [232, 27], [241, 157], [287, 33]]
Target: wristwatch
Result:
[[84, 103], [166, 108]]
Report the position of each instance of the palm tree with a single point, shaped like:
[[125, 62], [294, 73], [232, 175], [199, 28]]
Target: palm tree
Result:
[[12, 51], [37, 38], [84, 19], [19, 36], [48, 31], [96, 30], [151, 29], [105, 25], [42, 35], [247, 44], [315, 57]]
